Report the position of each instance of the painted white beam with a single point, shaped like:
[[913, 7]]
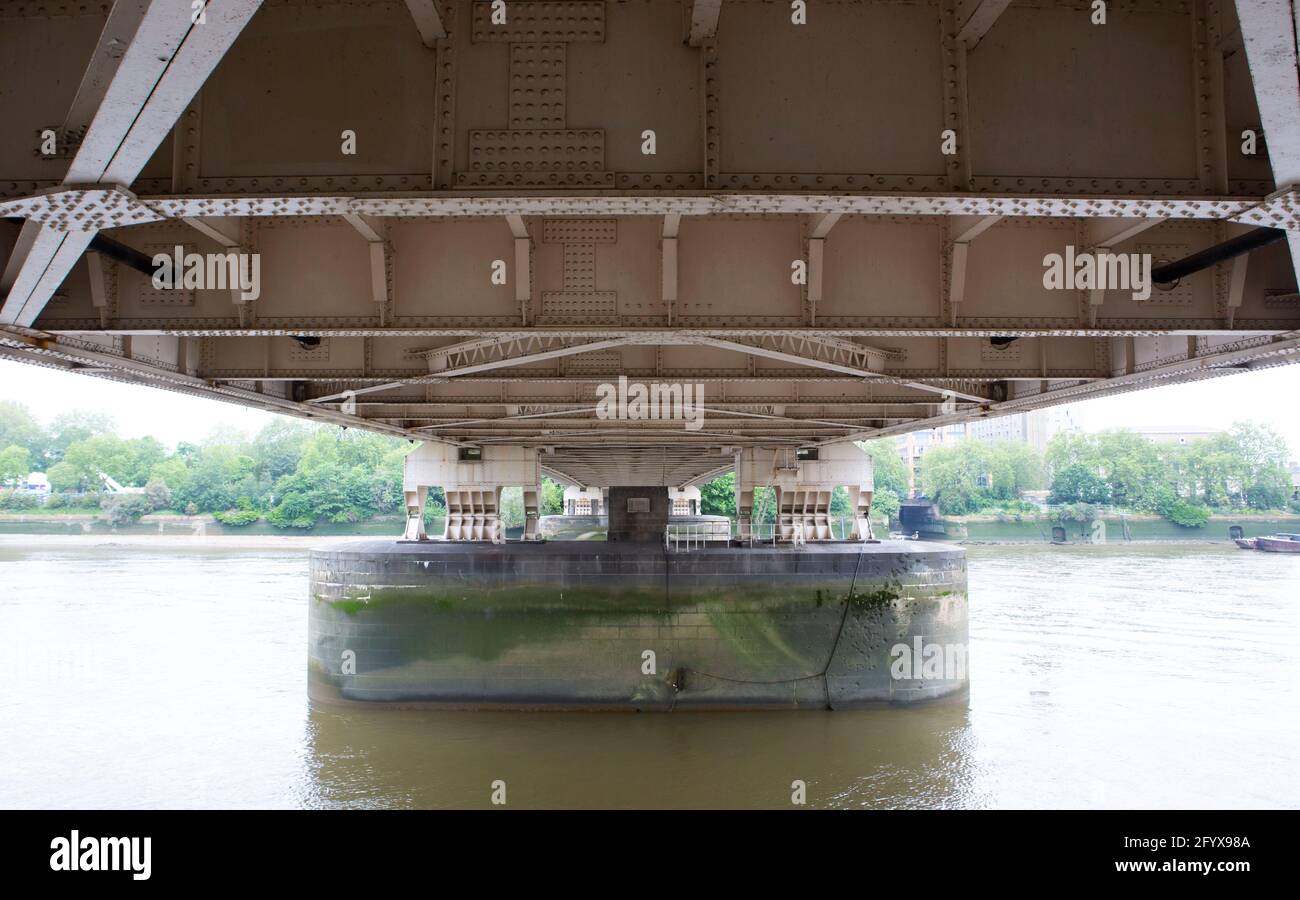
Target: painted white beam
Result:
[[517, 226], [1237, 271], [119, 30], [372, 229], [375, 233], [1102, 235], [704, 20], [816, 269], [1237, 285], [523, 274], [668, 264], [100, 272], [427, 20], [668, 277], [523, 263], [379, 274], [976, 18], [821, 225], [1106, 233], [957, 277], [151, 110], [818, 227], [22, 247], [169, 57], [828, 365], [476, 368], [47, 264], [223, 231], [965, 229], [1268, 31]]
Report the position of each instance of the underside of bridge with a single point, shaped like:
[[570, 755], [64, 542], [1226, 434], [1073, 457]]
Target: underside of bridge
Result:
[[826, 221], [472, 224]]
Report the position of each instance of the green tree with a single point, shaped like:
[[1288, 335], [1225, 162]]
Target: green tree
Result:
[[512, 507], [718, 497], [1132, 467], [147, 452], [276, 449], [840, 506], [1083, 513], [76, 425], [1220, 472], [158, 494], [172, 471], [63, 477], [1269, 488], [19, 428], [129, 462], [123, 509], [1014, 468], [952, 475], [15, 464], [219, 476], [552, 498], [1188, 515], [886, 503], [1076, 483], [1264, 455], [888, 469], [342, 476], [970, 475]]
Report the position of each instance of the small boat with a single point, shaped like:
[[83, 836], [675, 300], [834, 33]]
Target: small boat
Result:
[[1245, 543], [1278, 543]]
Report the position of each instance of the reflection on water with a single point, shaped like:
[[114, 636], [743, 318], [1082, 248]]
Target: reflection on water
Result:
[[874, 758], [172, 673]]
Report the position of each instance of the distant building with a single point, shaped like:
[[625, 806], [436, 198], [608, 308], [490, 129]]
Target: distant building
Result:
[[684, 501], [592, 501], [911, 449], [37, 483], [1174, 434], [1035, 428], [583, 501]]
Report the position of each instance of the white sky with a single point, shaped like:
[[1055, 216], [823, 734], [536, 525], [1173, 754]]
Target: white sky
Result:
[[1271, 396], [138, 411]]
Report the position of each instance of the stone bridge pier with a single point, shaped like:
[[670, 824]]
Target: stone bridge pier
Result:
[[798, 621]]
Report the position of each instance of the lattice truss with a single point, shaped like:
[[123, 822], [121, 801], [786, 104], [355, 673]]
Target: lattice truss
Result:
[[471, 221]]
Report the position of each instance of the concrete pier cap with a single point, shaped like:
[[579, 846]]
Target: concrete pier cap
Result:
[[643, 620]]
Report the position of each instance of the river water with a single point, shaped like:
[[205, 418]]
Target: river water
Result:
[[171, 672]]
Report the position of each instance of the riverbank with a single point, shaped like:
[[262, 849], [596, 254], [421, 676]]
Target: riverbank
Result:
[[91, 543], [1026, 529], [967, 530], [91, 522]]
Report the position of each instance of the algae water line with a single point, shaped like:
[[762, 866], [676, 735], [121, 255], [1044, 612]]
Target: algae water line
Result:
[[678, 685]]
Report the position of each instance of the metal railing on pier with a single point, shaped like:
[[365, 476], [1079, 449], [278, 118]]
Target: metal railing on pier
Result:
[[686, 536], [681, 537]]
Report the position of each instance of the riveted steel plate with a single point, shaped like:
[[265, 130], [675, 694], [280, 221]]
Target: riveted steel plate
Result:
[[537, 150], [537, 86], [594, 305], [587, 231], [573, 21]]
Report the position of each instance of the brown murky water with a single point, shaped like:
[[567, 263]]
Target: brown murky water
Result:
[[163, 672]]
